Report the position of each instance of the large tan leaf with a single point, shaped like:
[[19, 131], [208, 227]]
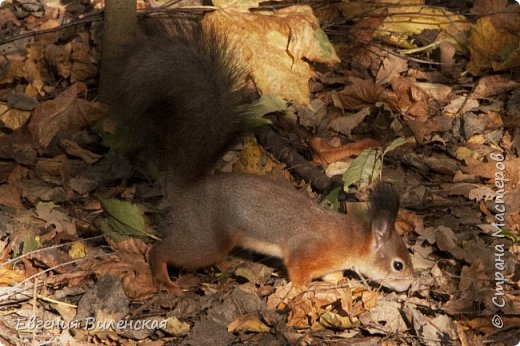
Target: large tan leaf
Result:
[[273, 44]]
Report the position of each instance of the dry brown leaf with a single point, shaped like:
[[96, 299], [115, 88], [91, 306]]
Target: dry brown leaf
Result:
[[346, 123], [133, 246], [10, 193], [280, 298], [14, 118], [253, 272], [58, 56], [438, 92], [437, 328], [449, 66], [53, 258], [363, 30], [422, 257], [338, 322], [73, 149], [447, 241], [177, 328], [309, 305], [129, 265], [7, 17], [65, 112], [59, 221], [408, 221], [369, 299], [459, 105], [83, 66], [384, 316], [244, 5], [391, 67], [34, 70], [412, 101], [492, 47], [494, 85], [15, 70], [482, 193], [363, 93]]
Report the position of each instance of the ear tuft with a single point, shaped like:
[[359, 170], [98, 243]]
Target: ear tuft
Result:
[[383, 209]]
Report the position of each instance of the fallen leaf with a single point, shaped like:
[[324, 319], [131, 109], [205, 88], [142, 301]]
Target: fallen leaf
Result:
[[494, 85], [285, 36], [392, 67], [248, 323], [65, 112], [177, 328]]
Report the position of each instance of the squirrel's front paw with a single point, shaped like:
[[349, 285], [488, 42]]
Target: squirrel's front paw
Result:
[[172, 288]]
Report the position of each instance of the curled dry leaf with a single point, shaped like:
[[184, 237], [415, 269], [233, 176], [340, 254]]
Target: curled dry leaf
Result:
[[58, 56], [248, 323], [408, 221], [391, 67], [73, 149], [362, 93], [494, 85], [82, 67]]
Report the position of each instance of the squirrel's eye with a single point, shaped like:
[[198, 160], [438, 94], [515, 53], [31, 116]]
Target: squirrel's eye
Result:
[[398, 265]]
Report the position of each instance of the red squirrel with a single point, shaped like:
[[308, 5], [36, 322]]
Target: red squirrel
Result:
[[182, 89]]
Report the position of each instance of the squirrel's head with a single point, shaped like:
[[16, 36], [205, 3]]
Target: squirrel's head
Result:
[[388, 261]]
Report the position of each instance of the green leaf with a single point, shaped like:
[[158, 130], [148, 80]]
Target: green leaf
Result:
[[269, 103], [395, 144], [332, 198], [125, 218], [266, 104], [326, 48], [364, 168], [511, 236], [31, 244]]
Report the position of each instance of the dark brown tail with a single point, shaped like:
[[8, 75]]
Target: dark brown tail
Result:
[[180, 95]]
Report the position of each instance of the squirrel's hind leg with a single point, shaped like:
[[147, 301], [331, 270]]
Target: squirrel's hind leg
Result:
[[159, 267]]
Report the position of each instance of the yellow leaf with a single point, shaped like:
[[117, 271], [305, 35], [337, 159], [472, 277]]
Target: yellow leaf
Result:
[[9, 276], [248, 323], [78, 250]]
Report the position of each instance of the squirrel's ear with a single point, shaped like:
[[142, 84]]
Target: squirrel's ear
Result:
[[384, 206], [382, 230]]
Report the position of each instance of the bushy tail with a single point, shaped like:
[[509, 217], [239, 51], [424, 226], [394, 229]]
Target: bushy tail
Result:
[[181, 92]]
